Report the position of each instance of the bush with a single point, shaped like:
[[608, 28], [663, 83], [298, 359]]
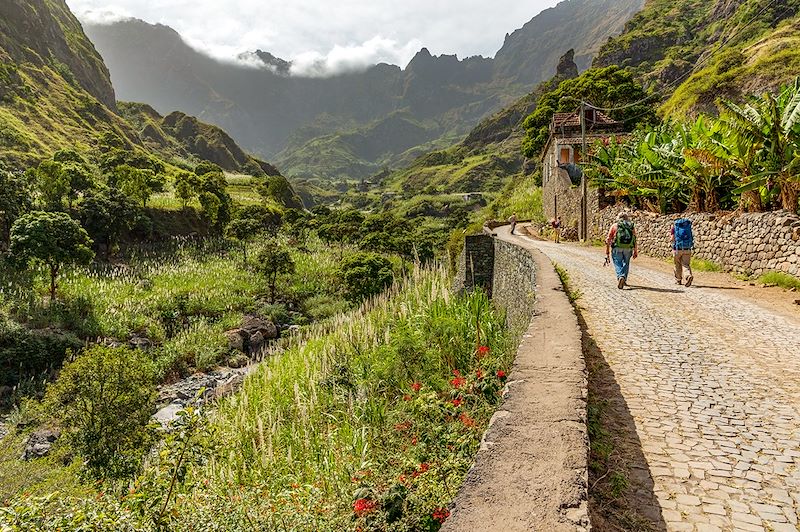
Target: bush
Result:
[[24, 353], [104, 400], [366, 275]]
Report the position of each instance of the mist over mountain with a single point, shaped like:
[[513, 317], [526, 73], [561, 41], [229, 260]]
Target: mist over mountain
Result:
[[273, 113]]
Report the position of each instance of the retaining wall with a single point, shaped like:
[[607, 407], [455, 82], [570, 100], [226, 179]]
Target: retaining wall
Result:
[[507, 272], [751, 243]]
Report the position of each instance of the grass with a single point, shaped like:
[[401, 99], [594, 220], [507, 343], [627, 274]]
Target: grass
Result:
[[703, 265], [784, 280], [522, 196], [367, 421]]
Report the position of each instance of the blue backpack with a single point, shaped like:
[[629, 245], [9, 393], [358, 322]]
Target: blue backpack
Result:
[[684, 239]]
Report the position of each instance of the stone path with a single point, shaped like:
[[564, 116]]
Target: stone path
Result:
[[713, 385]]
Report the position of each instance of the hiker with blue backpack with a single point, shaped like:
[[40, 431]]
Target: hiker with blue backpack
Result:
[[682, 246], [621, 247]]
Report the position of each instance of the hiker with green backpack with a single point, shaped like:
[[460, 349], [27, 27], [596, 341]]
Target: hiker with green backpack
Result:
[[621, 247], [682, 246]]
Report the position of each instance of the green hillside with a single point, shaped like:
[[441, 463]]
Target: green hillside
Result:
[[695, 52]]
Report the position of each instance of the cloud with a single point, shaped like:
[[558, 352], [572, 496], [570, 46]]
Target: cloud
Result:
[[354, 57], [322, 37]]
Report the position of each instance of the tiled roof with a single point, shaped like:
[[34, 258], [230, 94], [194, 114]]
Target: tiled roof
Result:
[[593, 117]]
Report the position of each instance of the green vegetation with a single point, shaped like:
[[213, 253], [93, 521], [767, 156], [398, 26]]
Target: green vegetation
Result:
[[702, 265], [103, 401], [382, 409], [609, 87], [747, 158], [784, 280]]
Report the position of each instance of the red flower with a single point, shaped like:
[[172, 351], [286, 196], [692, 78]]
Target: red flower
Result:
[[483, 351], [363, 506], [406, 397], [456, 373], [416, 386], [456, 402], [401, 479], [466, 420], [402, 427], [458, 382], [501, 375], [423, 467], [479, 374], [441, 514]]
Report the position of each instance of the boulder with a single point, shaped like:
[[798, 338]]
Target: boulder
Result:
[[237, 340], [39, 444], [254, 324], [140, 342]]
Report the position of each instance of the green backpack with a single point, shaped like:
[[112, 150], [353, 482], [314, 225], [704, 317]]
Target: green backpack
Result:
[[625, 238]]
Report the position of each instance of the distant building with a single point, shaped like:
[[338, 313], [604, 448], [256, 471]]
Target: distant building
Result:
[[472, 196], [561, 170]]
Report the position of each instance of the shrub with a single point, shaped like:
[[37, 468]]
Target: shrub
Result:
[[104, 400], [24, 353], [366, 275]]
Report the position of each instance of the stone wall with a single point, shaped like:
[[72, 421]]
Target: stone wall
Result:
[[507, 272], [514, 283], [751, 244]]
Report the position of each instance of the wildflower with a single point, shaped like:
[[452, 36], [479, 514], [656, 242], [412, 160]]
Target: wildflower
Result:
[[501, 375], [414, 440], [466, 420], [295, 485], [479, 374], [416, 386], [401, 479], [424, 466], [441, 514], [402, 427], [406, 397], [456, 402], [363, 506], [483, 351], [458, 382]]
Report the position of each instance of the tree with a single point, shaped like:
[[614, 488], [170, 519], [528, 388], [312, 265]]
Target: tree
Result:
[[51, 238], [244, 230], [106, 215], [51, 184], [273, 262], [214, 199], [104, 400], [366, 275], [277, 188], [604, 87], [138, 184], [186, 187], [15, 200]]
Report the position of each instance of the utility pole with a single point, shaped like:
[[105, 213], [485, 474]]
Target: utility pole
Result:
[[584, 226]]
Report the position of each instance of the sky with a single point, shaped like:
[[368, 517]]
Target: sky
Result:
[[324, 37]]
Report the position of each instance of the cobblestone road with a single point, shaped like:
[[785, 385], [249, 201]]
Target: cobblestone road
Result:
[[713, 385]]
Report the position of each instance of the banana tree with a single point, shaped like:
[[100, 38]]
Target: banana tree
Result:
[[768, 129]]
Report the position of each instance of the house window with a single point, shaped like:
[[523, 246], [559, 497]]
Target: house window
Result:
[[565, 155]]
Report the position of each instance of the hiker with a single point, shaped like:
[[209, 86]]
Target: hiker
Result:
[[557, 229], [513, 221], [682, 246], [621, 246]]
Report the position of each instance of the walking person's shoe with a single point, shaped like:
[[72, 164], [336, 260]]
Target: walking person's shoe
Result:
[[689, 281], [679, 282], [621, 283]]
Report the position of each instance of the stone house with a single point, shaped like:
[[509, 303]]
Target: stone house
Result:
[[561, 172]]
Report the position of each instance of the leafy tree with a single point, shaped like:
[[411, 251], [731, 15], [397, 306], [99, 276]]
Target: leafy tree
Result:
[[106, 215], [51, 238], [604, 87], [187, 185], [273, 262], [206, 167], [52, 184], [137, 183], [343, 227], [366, 275], [104, 400], [278, 188], [79, 180], [15, 200], [214, 199], [243, 230]]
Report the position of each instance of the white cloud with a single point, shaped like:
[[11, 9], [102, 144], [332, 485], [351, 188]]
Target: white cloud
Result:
[[322, 37]]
